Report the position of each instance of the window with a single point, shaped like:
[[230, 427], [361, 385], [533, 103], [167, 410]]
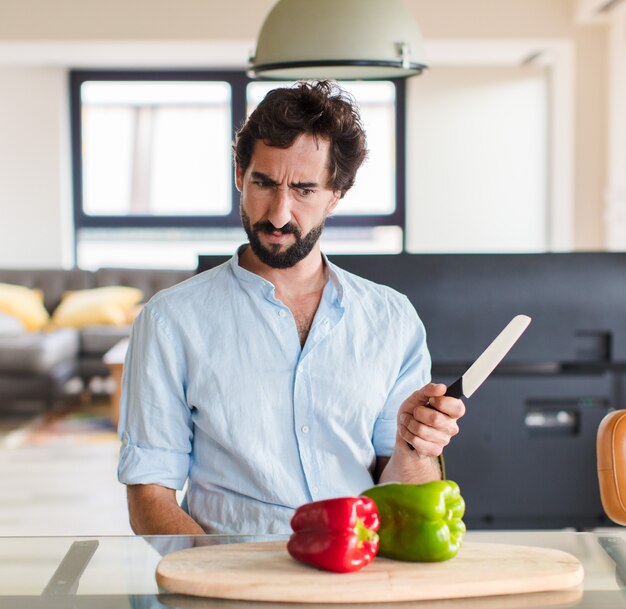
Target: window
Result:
[[152, 165], [155, 148]]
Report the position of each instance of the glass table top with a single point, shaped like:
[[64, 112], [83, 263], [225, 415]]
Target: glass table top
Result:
[[119, 572]]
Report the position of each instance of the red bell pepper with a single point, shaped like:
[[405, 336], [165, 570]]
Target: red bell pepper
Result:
[[335, 534]]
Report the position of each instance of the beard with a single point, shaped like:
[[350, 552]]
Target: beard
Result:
[[272, 256]]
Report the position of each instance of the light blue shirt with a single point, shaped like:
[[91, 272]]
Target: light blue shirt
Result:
[[218, 391]]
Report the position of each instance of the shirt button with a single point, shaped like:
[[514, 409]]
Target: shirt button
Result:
[[315, 490], [282, 313], [305, 429], [300, 368]]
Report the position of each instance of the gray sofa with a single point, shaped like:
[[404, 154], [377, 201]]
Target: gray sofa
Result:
[[35, 367]]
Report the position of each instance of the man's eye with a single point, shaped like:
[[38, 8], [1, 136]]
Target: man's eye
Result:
[[262, 183], [305, 192]]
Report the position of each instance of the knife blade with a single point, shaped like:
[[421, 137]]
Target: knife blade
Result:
[[487, 361]]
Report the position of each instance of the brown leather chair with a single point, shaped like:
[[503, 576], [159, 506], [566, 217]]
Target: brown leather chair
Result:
[[611, 457]]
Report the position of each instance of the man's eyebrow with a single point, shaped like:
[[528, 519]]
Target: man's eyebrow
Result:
[[304, 185], [258, 175], [263, 177]]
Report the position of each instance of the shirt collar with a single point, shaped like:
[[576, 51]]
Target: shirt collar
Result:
[[245, 276], [334, 277]]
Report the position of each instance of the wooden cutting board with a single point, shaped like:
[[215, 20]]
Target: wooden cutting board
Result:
[[265, 572]]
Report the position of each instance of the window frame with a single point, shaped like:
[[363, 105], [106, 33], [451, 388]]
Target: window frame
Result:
[[238, 81]]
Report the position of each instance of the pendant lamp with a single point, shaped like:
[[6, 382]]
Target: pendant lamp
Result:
[[338, 39]]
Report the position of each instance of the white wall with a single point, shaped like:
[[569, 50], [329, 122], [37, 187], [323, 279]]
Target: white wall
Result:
[[490, 125], [35, 200], [40, 40]]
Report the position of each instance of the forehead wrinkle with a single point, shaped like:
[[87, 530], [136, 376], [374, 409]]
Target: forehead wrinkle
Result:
[[299, 163]]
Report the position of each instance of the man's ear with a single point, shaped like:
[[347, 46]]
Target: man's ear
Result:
[[238, 177], [330, 208]]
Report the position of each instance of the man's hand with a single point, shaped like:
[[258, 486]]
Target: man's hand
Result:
[[427, 420]]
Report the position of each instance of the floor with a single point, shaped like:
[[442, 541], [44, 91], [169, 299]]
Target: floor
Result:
[[59, 490]]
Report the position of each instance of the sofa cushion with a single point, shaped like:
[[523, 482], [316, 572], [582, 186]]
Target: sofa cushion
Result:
[[52, 282], [25, 304], [48, 386], [37, 351], [99, 306], [149, 281], [10, 325], [99, 339]]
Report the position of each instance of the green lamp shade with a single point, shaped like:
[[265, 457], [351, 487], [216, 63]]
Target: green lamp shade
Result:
[[338, 39]]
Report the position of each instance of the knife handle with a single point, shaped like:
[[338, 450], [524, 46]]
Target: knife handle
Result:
[[454, 391]]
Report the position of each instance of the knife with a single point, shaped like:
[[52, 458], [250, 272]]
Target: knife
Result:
[[487, 361]]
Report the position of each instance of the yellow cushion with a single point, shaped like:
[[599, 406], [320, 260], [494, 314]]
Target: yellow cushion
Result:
[[133, 313], [98, 306], [24, 304]]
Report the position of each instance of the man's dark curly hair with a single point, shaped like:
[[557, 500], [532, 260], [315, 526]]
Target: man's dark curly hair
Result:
[[320, 109]]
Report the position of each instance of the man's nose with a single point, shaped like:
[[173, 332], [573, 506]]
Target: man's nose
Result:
[[280, 209]]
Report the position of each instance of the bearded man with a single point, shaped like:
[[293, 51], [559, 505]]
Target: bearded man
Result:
[[277, 378]]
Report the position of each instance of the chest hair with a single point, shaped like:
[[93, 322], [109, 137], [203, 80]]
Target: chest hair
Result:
[[303, 320], [303, 312]]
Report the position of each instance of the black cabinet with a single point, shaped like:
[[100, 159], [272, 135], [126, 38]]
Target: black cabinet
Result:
[[526, 453]]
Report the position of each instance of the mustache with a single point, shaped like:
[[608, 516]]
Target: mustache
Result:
[[265, 226]]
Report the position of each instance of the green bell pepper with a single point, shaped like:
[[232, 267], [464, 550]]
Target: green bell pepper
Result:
[[419, 522]]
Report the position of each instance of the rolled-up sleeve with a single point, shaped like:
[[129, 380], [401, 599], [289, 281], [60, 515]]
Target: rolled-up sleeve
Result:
[[155, 425], [414, 373]]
